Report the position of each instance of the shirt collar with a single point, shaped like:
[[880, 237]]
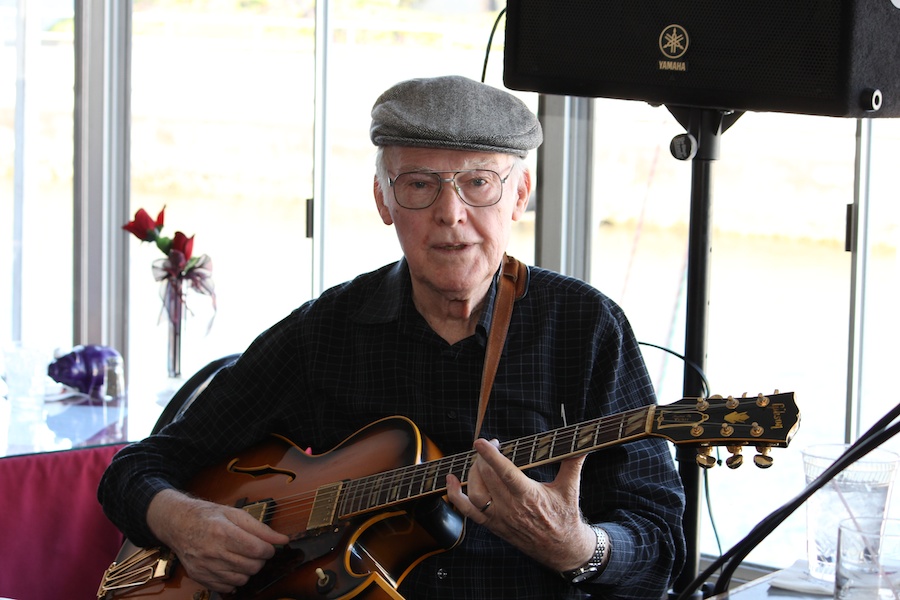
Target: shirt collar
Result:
[[395, 291]]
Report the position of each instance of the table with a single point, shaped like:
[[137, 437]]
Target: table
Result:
[[762, 588], [76, 421]]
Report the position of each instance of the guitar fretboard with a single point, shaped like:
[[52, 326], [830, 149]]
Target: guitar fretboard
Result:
[[376, 492]]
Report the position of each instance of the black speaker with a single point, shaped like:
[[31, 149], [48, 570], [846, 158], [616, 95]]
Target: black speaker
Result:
[[822, 57]]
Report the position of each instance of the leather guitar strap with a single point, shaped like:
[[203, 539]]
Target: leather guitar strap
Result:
[[512, 286]]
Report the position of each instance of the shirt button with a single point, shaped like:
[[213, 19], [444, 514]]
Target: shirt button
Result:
[[451, 414], [442, 574]]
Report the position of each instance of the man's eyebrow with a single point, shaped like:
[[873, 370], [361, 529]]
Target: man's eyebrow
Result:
[[487, 164]]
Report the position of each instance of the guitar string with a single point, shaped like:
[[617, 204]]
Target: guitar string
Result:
[[360, 494], [409, 482]]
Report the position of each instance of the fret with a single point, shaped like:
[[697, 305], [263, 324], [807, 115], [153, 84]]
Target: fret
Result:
[[532, 452], [637, 422], [391, 490], [460, 465], [583, 440], [543, 449], [377, 490], [350, 499], [445, 466], [410, 483], [430, 477], [572, 434], [422, 478], [510, 451]]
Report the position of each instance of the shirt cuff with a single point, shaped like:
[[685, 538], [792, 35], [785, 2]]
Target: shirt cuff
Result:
[[621, 554], [142, 535]]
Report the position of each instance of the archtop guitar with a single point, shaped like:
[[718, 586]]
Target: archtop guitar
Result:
[[362, 515]]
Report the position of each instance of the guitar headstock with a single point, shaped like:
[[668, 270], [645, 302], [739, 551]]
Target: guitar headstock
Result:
[[762, 421]]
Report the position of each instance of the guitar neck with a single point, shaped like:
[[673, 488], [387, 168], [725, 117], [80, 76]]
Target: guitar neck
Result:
[[379, 491]]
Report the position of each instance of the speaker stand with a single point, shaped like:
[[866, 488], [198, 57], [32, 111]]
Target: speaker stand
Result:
[[700, 144]]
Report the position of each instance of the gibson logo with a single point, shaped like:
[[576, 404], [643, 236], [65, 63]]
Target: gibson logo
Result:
[[673, 44], [778, 409]]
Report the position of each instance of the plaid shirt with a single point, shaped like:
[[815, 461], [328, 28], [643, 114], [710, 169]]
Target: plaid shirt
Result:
[[362, 352]]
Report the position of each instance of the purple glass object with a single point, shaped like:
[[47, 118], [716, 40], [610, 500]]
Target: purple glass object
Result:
[[84, 368]]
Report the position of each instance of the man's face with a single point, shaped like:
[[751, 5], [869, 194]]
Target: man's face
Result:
[[453, 248]]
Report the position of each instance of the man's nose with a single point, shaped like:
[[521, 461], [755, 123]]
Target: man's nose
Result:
[[449, 201]]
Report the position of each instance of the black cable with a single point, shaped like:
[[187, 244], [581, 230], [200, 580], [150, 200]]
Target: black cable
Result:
[[487, 52], [871, 439], [774, 520], [705, 392], [687, 361], [712, 519], [729, 561]]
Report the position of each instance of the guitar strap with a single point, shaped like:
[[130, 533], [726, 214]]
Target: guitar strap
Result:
[[512, 286]]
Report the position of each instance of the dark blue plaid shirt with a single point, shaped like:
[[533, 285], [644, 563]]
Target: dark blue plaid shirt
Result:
[[362, 352]]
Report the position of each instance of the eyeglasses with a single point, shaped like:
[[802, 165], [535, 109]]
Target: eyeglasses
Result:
[[416, 190]]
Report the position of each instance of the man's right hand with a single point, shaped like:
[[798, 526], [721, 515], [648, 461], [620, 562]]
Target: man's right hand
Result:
[[219, 546]]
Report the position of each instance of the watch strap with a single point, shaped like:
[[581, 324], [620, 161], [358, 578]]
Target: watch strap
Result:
[[594, 565]]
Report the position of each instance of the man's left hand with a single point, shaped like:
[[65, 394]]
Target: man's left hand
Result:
[[541, 519]]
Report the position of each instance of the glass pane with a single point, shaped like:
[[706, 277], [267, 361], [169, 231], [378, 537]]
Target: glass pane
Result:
[[373, 46], [221, 135], [36, 157], [881, 327], [779, 281]]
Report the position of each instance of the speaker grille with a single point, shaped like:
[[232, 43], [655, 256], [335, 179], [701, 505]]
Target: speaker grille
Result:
[[790, 56]]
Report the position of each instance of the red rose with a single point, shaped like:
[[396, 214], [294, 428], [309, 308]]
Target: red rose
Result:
[[183, 244], [144, 227]]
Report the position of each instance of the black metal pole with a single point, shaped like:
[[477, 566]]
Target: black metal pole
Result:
[[701, 145]]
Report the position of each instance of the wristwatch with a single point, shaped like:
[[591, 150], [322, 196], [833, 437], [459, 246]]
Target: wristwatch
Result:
[[591, 568]]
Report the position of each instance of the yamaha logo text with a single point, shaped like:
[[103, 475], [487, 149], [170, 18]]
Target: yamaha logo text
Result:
[[673, 44]]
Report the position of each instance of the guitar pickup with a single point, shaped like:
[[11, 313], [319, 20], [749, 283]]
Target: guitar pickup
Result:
[[260, 510]]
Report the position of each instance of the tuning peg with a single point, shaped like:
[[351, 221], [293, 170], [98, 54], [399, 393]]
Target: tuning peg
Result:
[[736, 459], [704, 459], [763, 460], [762, 401], [732, 402]]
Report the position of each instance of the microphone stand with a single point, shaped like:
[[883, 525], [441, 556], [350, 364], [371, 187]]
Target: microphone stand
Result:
[[729, 561]]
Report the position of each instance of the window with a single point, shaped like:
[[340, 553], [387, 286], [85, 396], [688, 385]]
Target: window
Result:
[[222, 135], [779, 289], [222, 112], [373, 45], [36, 149]]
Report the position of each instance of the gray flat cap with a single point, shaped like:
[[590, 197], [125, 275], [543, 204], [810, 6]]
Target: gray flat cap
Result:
[[454, 112]]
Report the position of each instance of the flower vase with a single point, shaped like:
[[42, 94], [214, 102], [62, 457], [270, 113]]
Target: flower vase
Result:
[[175, 310]]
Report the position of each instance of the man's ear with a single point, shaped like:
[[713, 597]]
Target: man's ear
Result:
[[383, 210], [523, 195]]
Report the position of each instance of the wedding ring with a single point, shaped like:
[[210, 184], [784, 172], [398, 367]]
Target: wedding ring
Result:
[[487, 505]]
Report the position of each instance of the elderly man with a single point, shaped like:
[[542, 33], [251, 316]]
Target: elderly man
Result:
[[409, 339]]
